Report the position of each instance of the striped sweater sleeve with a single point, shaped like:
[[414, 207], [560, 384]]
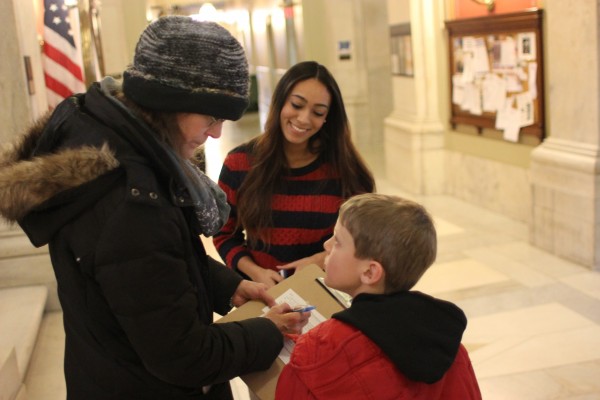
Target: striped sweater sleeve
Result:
[[230, 242]]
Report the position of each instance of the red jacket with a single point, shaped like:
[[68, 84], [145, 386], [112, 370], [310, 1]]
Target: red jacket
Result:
[[335, 360]]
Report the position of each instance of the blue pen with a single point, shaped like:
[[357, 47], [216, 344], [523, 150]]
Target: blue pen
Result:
[[303, 308]]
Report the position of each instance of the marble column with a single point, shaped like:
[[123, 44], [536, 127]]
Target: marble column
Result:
[[414, 132], [362, 70], [565, 167], [15, 112]]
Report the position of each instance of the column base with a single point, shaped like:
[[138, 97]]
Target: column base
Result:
[[414, 154], [564, 181]]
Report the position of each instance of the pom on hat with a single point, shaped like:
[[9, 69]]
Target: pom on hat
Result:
[[183, 65]]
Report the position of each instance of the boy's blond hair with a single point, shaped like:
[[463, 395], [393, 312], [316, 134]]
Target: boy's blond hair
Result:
[[396, 232]]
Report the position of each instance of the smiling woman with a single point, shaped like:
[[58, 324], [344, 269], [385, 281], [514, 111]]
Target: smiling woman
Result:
[[302, 116], [286, 185]]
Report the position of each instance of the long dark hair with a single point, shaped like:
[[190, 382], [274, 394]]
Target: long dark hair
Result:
[[333, 143]]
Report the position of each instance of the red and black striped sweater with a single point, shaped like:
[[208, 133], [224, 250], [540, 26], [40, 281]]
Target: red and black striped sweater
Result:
[[304, 213]]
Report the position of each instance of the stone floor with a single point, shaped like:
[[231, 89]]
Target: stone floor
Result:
[[534, 319]]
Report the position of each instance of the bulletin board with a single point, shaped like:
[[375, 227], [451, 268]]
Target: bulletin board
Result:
[[496, 74]]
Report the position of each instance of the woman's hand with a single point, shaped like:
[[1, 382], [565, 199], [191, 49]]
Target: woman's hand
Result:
[[258, 273], [248, 290], [298, 265], [267, 277], [286, 320]]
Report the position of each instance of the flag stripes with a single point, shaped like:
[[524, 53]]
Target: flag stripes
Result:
[[62, 61]]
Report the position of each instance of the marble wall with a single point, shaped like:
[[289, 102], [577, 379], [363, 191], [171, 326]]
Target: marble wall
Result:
[[566, 167], [492, 185], [364, 76], [414, 132], [414, 155], [565, 201], [15, 109]]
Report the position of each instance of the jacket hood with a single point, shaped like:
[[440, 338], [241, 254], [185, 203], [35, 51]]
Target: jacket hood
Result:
[[31, 175], [69, 159], [420, 334], [57, 169]]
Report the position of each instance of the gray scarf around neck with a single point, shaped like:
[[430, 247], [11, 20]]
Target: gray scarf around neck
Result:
[[209, 200]]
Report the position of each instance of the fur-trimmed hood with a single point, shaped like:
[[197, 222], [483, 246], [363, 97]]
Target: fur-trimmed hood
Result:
[[28, 180], [66, 161], [70, 158]]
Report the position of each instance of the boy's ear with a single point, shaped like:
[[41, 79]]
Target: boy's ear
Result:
[[373, 274]]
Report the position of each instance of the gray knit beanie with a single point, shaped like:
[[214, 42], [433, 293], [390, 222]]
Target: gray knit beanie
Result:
[[183, 65]]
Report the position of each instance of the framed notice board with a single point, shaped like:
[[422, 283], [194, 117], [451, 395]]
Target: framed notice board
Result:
[[496, 73]]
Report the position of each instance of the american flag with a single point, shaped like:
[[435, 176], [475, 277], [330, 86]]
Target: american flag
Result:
[[62, 60]]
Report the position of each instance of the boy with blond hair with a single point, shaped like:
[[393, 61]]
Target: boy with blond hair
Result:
[[392, 343]]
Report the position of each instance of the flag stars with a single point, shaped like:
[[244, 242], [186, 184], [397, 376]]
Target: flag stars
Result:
[[57, 19]]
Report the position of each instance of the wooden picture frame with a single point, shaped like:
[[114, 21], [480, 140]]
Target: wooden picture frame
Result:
[[496, 73]]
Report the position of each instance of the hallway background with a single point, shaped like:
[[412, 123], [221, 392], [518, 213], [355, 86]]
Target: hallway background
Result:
[[551, 186], [519, 222]]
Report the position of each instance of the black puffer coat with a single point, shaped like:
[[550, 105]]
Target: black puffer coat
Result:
[[136, 286]]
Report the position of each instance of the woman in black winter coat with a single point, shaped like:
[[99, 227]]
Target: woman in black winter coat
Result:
[[105, 180]]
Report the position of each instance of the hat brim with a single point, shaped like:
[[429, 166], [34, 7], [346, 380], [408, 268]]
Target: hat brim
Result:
[[161, 97]]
